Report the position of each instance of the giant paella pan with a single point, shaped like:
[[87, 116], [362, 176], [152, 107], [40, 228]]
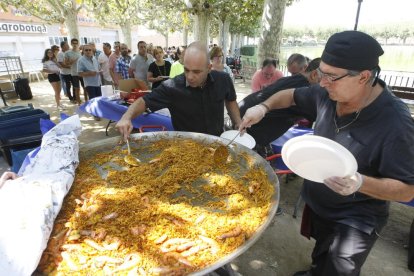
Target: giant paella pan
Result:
[[176, 213]]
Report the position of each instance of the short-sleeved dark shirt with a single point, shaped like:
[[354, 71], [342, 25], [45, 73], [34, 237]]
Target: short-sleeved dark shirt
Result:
[[277, 121], [157, 71], [382, 142], [194, 109]]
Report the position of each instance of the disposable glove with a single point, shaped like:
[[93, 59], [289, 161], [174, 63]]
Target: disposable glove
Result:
[[345, 185], [252, 116], [6, 176]]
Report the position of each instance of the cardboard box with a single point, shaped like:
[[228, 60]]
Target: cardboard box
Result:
[[129, 84]]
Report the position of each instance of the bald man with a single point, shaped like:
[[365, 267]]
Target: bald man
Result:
[[195, 99]]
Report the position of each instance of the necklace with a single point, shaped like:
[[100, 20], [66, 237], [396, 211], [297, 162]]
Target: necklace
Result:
[[337, 129], [159, 71]]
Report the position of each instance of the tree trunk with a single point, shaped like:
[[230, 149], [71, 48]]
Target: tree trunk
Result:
[[272, 26], [71, 23], [201, 26], [185, 36], [126, 31], [233, 43], [166, 40], [225, 38]]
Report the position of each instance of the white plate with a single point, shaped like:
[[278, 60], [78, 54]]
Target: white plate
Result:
[[245, 140], [316, 158]]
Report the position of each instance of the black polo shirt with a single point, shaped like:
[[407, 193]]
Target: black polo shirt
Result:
[[277, 121], [381, 140], [198, 109]]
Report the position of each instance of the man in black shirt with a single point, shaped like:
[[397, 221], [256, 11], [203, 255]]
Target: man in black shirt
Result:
[[357, 110], [277, 122], [195, 99]]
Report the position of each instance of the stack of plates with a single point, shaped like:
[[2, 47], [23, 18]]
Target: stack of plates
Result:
[[316, 158]]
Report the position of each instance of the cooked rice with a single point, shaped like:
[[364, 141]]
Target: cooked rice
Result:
[[111, 226]]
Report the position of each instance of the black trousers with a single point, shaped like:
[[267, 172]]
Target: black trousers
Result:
[[340, 249], [93, 91], [67, 79]]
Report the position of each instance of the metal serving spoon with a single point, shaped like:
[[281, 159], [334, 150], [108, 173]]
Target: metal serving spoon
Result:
[[222, 152], [129, 159]]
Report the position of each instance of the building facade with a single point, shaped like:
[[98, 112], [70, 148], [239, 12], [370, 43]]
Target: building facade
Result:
[[27, 36]]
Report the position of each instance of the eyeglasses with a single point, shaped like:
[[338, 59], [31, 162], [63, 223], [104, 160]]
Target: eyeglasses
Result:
[[331, 78], [87, 50]]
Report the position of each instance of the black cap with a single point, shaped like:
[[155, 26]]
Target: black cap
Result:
[[352, 50]]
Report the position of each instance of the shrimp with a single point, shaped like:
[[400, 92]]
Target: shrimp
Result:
[[138, 230], [233, 233], [195, 249], [166, 270], [114, 245], [113, 215], [200, 219], [130, 261], [145, 201], [176, 221], [211, 243], [154, 160], [72, 247], [173, 244], [94, 245], [71, 264], [253, 187], [88, 233], [100, 261], [161, 239], [175, 257], [185, 246]]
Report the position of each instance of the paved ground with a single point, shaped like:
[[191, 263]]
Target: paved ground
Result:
[[280, 250]]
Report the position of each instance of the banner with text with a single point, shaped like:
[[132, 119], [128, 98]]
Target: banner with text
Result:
[[22, 28]]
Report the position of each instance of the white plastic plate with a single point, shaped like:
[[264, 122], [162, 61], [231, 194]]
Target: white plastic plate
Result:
[[316, 158]]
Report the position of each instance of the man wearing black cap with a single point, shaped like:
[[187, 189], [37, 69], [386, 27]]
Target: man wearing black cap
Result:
[[357, 110]]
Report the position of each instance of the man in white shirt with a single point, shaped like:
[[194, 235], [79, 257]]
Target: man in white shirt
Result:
[[103, 60], [64, 69], [140, 63], [71, 58]]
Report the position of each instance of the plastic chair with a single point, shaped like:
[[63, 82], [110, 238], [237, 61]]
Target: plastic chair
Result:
[[279, 173]]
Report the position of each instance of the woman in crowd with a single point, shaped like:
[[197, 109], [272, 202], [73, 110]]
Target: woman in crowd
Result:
[[178, 68], [52, 68], [55, 49], [159, 70], [216, 58]]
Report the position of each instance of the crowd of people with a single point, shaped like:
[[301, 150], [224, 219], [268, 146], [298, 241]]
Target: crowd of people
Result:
[[75, 66], [340, 92]]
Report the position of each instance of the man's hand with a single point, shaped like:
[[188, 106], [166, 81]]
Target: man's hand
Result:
[[345, 185], [6, 176], [125, 127], [252, 116]]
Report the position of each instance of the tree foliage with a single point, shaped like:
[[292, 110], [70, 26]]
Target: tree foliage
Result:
[[122, 13], [51, 11]]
